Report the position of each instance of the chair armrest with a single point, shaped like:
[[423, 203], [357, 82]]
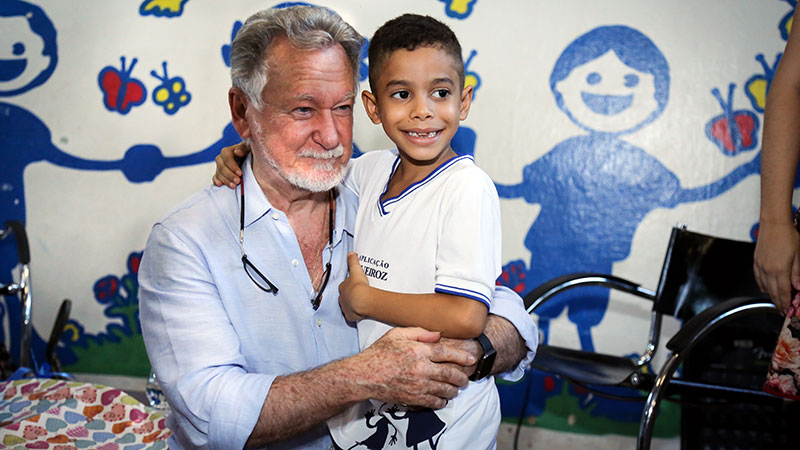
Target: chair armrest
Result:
[[547, 290], [698, 326]]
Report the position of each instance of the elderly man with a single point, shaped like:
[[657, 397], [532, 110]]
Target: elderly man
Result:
[[238, 288]]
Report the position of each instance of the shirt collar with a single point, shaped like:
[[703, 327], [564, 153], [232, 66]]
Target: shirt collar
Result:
[[346, 208], [257, 205]]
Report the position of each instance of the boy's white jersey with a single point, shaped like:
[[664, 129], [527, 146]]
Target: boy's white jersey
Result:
[[440, 234]]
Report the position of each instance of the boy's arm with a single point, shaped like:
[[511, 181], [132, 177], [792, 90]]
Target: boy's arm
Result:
[[467, 263], [452, 315]]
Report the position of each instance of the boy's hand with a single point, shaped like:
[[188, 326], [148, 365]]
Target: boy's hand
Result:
[[354, 290], [228, 164]]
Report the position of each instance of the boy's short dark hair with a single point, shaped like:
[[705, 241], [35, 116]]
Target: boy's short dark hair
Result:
[[410, 32]]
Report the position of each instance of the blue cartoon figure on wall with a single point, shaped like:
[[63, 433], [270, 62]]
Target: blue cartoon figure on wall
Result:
[[28, 57], [596, 188]]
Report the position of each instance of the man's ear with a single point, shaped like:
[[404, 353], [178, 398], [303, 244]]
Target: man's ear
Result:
[[238, 102], [466, 101], [371, 106]]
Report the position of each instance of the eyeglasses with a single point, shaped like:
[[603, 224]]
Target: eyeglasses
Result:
[[260, 280], [327, 274]]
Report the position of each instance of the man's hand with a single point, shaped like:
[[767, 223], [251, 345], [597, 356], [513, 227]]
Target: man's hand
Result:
[[402, 367], [352, 291], [470, 346], [229, 163]]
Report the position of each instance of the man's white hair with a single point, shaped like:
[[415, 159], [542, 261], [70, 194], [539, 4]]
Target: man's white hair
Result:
[[306, 27]]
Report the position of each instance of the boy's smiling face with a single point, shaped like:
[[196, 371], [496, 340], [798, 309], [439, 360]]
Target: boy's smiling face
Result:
[[419, 99]]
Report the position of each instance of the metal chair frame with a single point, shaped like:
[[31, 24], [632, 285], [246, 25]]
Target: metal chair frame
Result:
[[23, 288], [681, 344], [693, 331]]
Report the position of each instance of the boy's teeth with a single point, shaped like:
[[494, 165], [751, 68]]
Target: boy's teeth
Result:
[[428, 135]]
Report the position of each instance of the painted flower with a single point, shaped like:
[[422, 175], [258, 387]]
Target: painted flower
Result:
[[787, 352], [106, 288], [513, 276], [782, 383], [133, 262]]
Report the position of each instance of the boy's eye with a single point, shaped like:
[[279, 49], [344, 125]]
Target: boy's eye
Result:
[[441, 93], [401, 95]]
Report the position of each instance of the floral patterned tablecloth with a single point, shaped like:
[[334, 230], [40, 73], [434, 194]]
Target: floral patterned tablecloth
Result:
[[66, 415]]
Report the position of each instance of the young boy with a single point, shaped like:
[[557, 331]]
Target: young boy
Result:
[[427, 235]]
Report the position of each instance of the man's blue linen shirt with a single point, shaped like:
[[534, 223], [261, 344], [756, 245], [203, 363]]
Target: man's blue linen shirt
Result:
[[217, 342]]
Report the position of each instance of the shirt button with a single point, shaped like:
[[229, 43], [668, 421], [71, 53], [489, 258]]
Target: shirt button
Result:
[[295, 262], [276, 216], [319, 322]]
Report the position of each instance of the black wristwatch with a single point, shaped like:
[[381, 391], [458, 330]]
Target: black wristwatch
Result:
[[486, 362]]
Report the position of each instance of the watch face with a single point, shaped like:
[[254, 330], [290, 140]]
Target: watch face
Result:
[[488, 361]]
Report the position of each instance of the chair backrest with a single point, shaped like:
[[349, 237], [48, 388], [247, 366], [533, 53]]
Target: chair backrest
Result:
[[700, 271]]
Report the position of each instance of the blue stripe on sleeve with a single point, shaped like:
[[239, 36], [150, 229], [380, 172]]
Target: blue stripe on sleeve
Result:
[[454, 290]]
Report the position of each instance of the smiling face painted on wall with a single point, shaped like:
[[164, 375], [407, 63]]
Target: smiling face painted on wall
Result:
[[612, 79], [607, 96], [27, 47]]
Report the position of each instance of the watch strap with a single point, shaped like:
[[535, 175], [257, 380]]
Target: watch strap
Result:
[[484, 366]]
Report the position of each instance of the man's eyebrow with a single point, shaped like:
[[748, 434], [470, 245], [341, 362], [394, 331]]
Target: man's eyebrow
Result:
[[313, 99], [305, 98]]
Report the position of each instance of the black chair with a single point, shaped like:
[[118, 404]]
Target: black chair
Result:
[[706, 282]]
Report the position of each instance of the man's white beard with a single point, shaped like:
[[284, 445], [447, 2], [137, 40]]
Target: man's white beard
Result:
[[323, 179]]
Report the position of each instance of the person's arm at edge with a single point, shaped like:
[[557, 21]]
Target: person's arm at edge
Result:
[[777, 255]]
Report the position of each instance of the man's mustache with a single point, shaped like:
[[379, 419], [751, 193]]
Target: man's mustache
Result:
[[322, 154]]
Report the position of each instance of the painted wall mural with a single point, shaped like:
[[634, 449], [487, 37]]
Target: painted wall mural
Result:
[[601, 127], [121, 91], [595, 190], [162, 8], [35, 56]]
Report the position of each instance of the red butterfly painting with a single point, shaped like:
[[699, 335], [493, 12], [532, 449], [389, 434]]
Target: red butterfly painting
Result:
[[732, 131], [120, 91]]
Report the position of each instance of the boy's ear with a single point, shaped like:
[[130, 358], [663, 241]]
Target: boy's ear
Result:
[[238, 103], [371, 106], [466, 101]]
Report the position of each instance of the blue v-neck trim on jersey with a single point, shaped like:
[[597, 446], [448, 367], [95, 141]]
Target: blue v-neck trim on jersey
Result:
[[414, 186]]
